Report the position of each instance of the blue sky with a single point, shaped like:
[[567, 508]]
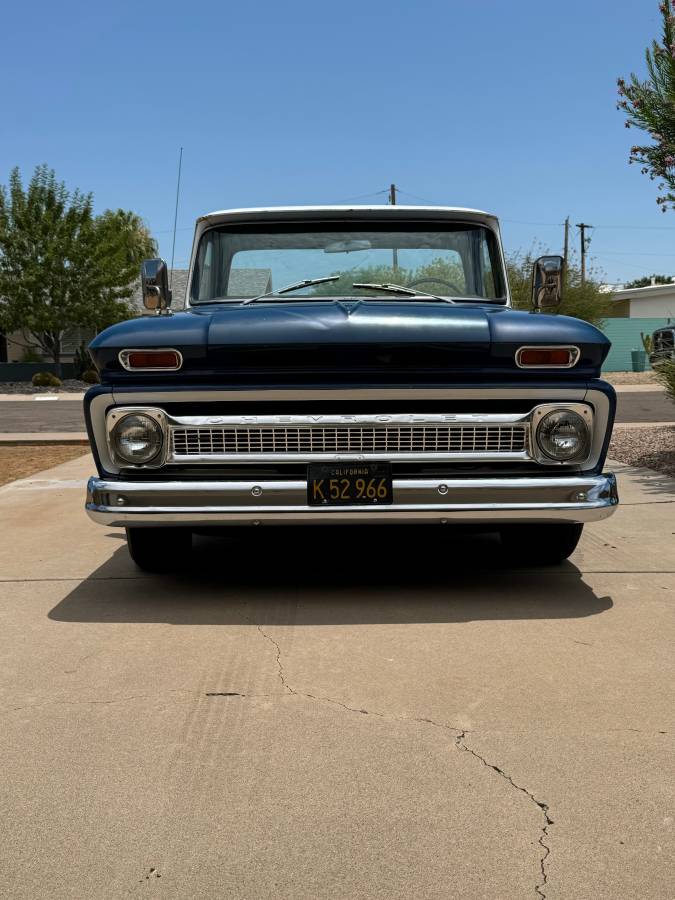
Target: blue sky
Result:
[[508, 107]]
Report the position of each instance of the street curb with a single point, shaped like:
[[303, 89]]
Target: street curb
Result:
[[638, 388], [643, 425], [47, 437], [22, 398]]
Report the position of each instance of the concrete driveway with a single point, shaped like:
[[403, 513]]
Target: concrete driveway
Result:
[[355, 715]]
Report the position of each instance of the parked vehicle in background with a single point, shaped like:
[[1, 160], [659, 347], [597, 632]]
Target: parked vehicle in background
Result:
[[663, 345], [350, 365]]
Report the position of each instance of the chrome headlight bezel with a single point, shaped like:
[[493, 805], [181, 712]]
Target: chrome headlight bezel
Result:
[[582, 412], [114, 421]]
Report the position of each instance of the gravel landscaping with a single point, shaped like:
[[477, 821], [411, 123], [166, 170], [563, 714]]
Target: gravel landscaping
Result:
[[69, 386], [26, 459], [631, 377], [653, 448]]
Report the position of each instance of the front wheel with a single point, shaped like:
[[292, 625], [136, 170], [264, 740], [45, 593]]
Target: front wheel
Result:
[[159, 549], [540, 545]]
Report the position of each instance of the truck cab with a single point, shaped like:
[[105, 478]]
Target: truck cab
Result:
[[350, 365]]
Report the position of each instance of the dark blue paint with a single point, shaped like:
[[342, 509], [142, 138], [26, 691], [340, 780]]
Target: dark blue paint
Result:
[[355, 340]]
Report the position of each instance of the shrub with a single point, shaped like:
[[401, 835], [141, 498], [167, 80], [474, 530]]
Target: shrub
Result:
[[46, 379], [30, 355], [665, 372], [81, 361], [90, 376]]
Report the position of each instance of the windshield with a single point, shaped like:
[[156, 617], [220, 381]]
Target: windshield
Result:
[[459, 261]]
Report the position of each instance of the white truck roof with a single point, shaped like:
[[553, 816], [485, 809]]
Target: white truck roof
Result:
[[288, 213]]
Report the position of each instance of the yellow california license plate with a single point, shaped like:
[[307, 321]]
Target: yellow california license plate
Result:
[[349, 484]]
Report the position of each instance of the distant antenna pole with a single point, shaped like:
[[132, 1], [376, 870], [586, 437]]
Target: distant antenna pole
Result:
[[175, 217], [582, 226], [392, 201]]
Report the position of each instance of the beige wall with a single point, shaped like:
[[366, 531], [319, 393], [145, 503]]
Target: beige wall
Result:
[[653, 308], [17, 341]]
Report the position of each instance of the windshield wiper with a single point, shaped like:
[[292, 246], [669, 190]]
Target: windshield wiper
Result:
[[308, 282], [399, 289]]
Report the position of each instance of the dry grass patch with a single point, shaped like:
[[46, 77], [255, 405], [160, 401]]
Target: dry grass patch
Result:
[[20, 461]]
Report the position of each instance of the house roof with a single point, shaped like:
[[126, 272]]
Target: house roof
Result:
[[249, 282], [178, 279], [651, 292]]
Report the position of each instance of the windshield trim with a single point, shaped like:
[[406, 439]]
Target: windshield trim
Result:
[[350, 224], [353, 298]]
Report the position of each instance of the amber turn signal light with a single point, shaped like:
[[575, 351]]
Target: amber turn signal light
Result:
[[149, 360], [547, 357]]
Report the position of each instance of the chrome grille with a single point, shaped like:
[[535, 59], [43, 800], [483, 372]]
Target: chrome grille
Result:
[[390, 440]]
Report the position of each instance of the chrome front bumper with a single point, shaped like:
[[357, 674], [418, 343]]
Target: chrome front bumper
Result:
[[571, 498]]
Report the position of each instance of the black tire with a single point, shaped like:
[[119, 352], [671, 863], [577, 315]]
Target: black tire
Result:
[[159, 549], [540, 545]]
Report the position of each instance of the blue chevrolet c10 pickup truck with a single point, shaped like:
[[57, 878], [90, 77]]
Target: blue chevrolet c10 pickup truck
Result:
[[350, 365]]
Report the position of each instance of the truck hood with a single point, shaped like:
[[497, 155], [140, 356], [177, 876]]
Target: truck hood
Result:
[[346, 342]]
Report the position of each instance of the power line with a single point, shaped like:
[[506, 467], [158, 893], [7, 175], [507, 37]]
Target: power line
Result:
[[416, 196], [362, 196], [630, 253]]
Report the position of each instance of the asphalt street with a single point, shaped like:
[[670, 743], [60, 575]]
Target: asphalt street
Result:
[[329, 714], [66, 415]]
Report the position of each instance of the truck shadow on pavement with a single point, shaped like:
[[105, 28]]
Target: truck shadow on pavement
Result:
[[330, 577]]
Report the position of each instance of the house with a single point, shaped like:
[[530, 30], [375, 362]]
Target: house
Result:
[[14, 348], [651, 302], [636, 314], [19, 346], [241, 283]]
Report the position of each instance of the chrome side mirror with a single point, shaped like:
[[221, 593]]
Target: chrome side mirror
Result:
[[547, 282], [155, 285]]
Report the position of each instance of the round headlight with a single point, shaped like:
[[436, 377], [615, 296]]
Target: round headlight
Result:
[[137, 439], [563, 434]]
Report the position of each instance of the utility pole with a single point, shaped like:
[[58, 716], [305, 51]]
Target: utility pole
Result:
[[566, 249], [392, 201], [582, 226]]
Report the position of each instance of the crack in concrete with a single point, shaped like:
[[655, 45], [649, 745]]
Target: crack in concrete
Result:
[[459, 743], [543, 807]]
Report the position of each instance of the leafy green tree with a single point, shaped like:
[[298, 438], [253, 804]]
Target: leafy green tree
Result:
[[646, 281], [62, 267], [387, 274], [583, 301], [650, 106]]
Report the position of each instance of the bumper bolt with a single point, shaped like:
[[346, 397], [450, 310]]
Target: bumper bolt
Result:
[[581, 496], [256, 490], [121, 501], [442, 489]]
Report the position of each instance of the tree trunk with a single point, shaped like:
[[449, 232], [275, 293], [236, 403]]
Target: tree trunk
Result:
[[50, 342]]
